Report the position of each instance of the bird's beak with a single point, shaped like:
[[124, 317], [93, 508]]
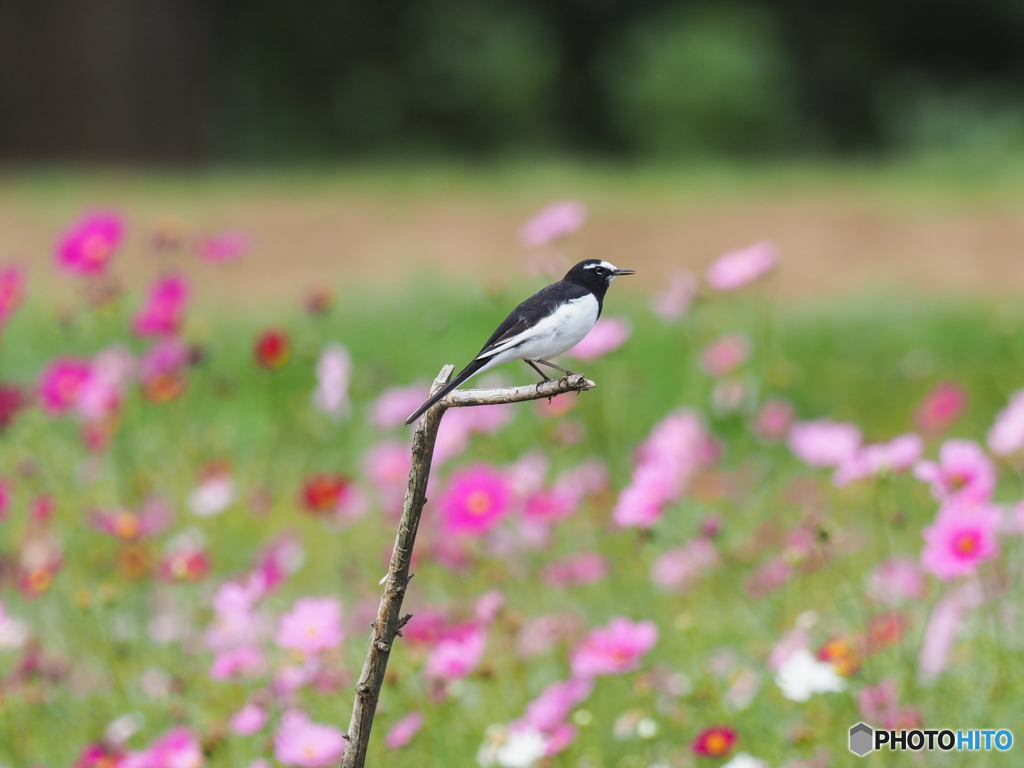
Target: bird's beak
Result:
[[620, 272]]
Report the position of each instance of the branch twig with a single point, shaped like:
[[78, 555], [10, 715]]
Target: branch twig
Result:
[[389, 620]]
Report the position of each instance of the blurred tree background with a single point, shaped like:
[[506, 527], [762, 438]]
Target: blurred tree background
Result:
[[269, 80]]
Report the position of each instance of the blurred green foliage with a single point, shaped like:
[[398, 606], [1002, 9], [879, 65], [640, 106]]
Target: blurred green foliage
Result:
[[626, 77]]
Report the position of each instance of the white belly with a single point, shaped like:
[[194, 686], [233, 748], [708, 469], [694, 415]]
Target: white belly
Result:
[[556, 333]]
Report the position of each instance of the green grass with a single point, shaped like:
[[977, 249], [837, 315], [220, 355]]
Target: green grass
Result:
[[870, 360]]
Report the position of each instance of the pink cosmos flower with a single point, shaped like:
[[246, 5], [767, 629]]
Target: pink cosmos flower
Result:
[[554, 222], [614, 649], [164, 309], [313, 624], [674, 302], [941, 408], [223, 247], [944, 625], [178, 748], [333, 372], [898, 455], [168, 356], [678, 569], [241, 663], [878, 703], [476, 500], [773, 420], [154, 516], [736, 269], [824, 443], [12, 289], [665, 462], [552, 707], [401, 732], [302, 743], [541, 634], [61, 383], [768, 578], [87, 247], [1007, 433], [488, 606], [394, 405], [607, 335], [250, 719], [724, 356], [964, 472], [575, 570], [796, 639], [102, 392], [455, 657], [897, 580], [387, 466], [960, 539]]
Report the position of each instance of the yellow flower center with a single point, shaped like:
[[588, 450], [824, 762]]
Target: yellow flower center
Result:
[[126, 526], [478, 503], [716, 744], [965, 544]]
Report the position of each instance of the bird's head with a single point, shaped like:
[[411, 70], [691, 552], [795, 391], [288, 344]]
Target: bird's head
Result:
[[595, 274]]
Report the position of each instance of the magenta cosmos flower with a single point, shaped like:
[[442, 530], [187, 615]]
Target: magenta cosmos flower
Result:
[[824, 443], [87, 247], [941, 408], [300, 742], [963, 473], [401, 733], [736, 269], [477, 498], [178, 748], [314, 624], [164, 309], [554, 222], [61, 384], [614, 649], [607, 335], [960, 539]]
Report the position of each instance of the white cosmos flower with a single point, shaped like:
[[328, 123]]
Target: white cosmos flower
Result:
[[801, 676], [743, 760]]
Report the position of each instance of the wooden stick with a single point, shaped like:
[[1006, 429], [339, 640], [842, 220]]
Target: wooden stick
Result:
[[389, 620]]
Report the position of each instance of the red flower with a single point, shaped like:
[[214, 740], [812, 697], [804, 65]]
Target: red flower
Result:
[[12, 400], [716, 741], [272, 349], [322, 492]]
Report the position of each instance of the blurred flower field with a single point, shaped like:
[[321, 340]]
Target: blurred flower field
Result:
[[765, 524]]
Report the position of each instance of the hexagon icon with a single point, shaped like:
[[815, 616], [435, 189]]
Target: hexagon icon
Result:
[[861, 739]]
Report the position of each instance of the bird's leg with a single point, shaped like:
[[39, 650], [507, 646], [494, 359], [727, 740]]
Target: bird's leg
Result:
[[538, 370], [557, 368]]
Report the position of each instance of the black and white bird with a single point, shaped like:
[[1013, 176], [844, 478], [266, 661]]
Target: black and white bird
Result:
[[552, 321]]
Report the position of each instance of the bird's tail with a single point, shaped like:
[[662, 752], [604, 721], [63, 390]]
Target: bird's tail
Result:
[[465, 373]]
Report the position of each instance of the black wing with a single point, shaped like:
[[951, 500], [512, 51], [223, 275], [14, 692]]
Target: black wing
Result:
[[532, 311]]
